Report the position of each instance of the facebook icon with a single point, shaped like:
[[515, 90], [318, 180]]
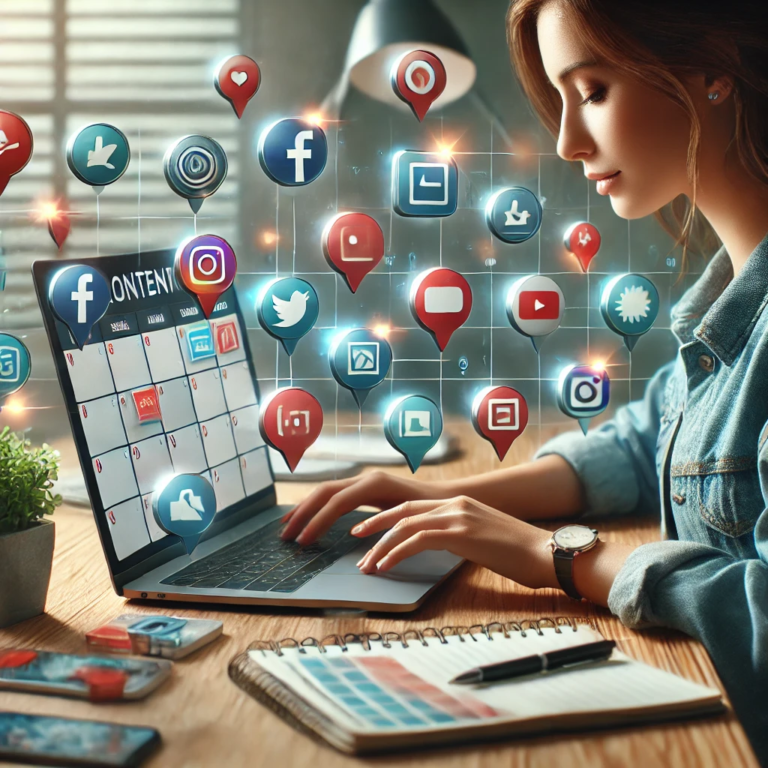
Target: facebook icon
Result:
[[79, 296], [293, 152]]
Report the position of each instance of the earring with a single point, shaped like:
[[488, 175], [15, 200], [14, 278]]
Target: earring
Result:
[[714, 95]]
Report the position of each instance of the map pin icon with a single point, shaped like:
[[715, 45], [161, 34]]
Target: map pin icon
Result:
[[413, 425], [499, 415], [583, 392], [185, 507], [583, 240], [206, 266], [237, 79], [15, 146], [15, 365], [630, 305], [441, 301], [353, 244], [360, 360], [287, 308], [418, 78], [59, 223], [79, 296]]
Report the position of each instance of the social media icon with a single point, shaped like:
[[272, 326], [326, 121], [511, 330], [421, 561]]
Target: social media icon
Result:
[[237, 79], [206, 266], [440, 302], [288, 309], [199, 341], [582, 239], [15, 365], [195, 167], [293, 151], [290, 420], [360, 360], [353, 244], [583, 392], [499, 415], [513, 214], [15, 146], [147, 405], [185, 506], [227, 338], [630, 306], [424, 184], [413, 425], [79, 296], [535, 307], [98, 154], [418, 78]]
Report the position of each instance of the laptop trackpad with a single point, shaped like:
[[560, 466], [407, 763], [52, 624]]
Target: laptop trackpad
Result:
[[426, 566]]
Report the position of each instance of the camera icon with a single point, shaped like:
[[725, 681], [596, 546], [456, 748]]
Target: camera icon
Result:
[[586, 392], [583, 391], [206, 265]]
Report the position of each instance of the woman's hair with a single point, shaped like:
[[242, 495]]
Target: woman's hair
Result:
[[660, 42]]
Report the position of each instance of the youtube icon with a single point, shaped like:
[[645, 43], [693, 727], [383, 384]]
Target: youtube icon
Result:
[[539, 305], [535, 306]]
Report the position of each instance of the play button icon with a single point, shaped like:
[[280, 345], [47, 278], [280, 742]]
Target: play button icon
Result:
[[535, 306]]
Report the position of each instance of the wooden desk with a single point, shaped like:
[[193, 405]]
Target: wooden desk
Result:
[[207, 721]]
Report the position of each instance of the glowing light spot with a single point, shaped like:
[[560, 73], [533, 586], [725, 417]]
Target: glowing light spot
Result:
[[316, 118], [382, 330], [598, 365], [269, 238], [14, 406]]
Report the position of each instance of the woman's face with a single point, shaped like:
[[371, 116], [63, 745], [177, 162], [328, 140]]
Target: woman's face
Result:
[[611, 123]]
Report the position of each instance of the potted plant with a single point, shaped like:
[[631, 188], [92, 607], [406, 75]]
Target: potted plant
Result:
[[26, 538]]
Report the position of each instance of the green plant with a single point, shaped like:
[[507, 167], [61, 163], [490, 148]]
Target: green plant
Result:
[[26, 479]]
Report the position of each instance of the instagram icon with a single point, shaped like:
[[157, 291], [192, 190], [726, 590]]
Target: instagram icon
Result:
[[206, 266]]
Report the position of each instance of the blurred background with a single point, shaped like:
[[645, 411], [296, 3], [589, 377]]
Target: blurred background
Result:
[[146, 66]]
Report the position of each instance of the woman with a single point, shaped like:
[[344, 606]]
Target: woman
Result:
[[671, 99]]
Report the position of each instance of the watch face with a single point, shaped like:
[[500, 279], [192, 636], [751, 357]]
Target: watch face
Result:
[[574, 537]]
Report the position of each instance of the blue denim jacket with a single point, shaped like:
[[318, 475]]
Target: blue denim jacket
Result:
[[696, 450]]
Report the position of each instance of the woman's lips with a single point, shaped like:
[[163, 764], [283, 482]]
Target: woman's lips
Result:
[[604, 186]]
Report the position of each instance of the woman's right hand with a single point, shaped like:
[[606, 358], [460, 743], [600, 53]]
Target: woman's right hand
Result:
[[312, 518]]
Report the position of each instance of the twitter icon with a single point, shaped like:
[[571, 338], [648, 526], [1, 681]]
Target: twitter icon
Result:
[[287, 308], [98, 154]]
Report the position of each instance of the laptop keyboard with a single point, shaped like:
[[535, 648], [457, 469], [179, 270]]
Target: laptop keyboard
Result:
[[263, 562]]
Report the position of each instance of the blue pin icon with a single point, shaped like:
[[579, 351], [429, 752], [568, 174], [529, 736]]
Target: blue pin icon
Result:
[[15, 365], [413, 425], [630, 305], [287, 308], [360, 361], [185, 507], [79, 296], [583, 392]]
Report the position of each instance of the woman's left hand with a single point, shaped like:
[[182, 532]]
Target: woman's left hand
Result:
[[466, 528]]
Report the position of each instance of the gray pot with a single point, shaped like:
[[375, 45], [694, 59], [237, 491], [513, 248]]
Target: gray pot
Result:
[[25, 571]]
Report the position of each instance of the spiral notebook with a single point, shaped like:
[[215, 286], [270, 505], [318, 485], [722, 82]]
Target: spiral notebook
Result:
[[381, 692]]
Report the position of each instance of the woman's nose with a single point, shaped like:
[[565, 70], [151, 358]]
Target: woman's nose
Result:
[[574, 141]]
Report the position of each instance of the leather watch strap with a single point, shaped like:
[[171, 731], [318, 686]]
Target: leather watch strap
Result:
[[564, 572]]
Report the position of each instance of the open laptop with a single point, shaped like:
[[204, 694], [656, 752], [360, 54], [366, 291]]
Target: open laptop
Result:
[[154, 335]]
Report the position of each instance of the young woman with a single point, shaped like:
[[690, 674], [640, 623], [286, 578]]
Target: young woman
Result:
[[670, 100]]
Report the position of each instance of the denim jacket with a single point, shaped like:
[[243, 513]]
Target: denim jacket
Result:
[[695, 449]]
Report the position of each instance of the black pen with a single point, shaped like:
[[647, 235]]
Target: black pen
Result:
[[540, 662]]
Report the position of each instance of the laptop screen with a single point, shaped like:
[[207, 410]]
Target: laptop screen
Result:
[[158, 390]]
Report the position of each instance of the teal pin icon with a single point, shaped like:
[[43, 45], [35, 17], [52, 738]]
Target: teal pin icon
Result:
[[630, 306], [98, 155], [413, 425], [287, 308], [185, 507], [15, 365], [360, 361]]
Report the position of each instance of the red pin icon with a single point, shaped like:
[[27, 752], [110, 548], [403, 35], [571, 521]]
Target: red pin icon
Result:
[[15, 146], [499, 415], [290, 420], [583, 240], [237, 79], [441, 301], [418, 78], [59, 223], [353, 244]]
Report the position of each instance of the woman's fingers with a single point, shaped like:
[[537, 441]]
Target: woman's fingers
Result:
[[297, 517], [384, 520], [419, 541]]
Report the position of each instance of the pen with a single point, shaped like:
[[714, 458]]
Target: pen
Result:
[[540, 662]]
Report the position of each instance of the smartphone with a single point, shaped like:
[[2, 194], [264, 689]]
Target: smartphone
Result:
[[62, 741], [98, 678], [154, 635]]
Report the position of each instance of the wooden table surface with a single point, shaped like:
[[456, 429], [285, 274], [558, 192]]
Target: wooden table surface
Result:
[[206, 720]]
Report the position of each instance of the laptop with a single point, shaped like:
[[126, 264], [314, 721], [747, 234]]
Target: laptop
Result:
[[154, 339]]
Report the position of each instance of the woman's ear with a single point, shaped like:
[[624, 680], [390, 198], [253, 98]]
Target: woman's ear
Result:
[[718, 89]]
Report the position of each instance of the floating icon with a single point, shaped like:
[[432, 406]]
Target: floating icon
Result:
[[227, 337], [15, 146], [513, 214], [237, 79], [98, 155], [287, 309], [583, 240], [15, 365], [413, 425], [499, 415], [195, 167], [535, 306], [441, 301], [353, 244], [360, 361], [290, 420], [199, 341], [185, 507], [583, 392], [293, 152], [59, 224], [79, 297], [206, 266], [424, 184], [630, 306], [147, 405], [418, 78]]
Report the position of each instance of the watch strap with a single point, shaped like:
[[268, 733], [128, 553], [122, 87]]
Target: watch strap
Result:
[[564, 571]]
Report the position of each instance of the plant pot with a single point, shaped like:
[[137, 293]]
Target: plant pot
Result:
[[25, 572]]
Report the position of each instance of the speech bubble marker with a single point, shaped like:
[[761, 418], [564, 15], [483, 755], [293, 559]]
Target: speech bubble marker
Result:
[[630, 305], [499, 415], [287, 309], [237, 79], [440, 301], [582, 239], [413, 425], [206, 266], [353, 244], [290, 420], [15, 146], [535, 306], [15, 365], [418, 78], [360, 361], [79, 296], [185, 507], [583, 392], [195, 167]]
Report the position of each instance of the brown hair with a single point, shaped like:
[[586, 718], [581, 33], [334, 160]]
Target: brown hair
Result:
[[662, 41]]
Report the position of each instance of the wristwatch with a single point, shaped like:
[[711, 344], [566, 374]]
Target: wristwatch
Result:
[[566, 543]]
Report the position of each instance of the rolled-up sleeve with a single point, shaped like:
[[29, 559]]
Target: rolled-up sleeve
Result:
[[616, 462]]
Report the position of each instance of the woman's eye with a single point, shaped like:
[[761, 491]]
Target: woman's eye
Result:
[[595, 97]]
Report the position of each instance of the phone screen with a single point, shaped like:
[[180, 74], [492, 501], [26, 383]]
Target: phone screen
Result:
[[62, 741]]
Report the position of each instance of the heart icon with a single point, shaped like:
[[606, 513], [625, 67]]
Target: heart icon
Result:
[[238, 78]]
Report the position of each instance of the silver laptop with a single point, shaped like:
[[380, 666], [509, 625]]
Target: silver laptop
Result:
[[208, 397]]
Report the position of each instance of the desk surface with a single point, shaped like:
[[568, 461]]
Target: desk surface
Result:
[[206, 720]]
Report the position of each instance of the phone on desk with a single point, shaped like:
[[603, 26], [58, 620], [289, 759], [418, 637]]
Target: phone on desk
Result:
[[61, 741]]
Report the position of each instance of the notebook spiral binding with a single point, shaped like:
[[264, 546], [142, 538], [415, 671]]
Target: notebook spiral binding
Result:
[[420, 635]]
